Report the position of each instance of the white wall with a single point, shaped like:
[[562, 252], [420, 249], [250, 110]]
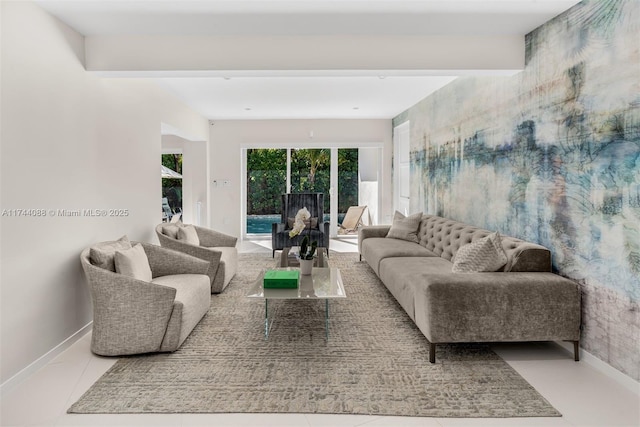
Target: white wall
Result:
[[368, 189], [228, 136], [69, 141], [194, 176]]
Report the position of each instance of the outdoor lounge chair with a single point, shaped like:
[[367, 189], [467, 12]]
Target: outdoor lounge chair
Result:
[[352, 220], [167, 213]]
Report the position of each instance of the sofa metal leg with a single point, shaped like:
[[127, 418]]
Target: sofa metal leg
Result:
[[432, 352], [360, 257], [273, 253], [576, 351]]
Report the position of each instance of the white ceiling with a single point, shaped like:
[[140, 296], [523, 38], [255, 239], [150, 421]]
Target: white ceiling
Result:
[[334, 94], [302, 97]]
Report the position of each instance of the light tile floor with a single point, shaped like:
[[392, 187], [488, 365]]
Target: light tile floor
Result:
[[583, 394]]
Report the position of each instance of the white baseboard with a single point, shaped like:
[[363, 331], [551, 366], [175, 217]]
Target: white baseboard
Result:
[[604, 367], [43, 360]]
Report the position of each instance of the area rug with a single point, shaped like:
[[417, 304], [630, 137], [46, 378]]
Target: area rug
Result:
[[375, 362]]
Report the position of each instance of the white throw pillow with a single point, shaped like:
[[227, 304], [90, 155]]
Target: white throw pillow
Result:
[[485, 254], [405, 228], [188, 234], [134, 263], [102, 254]]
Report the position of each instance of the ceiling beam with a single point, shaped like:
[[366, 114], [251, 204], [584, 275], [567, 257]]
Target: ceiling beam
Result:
[[145, 53]]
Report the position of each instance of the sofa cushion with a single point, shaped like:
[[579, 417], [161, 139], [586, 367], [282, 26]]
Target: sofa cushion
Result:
[[189, 235], [102, 254], [403, 275], [405, 228], [484, 254], [133, 262], [498, 307], [375, 249], [193, 297]]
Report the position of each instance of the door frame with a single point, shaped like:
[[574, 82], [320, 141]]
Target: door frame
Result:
[[400, 203]]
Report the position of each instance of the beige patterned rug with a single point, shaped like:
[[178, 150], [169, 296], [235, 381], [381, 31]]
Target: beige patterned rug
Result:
[[375, 362]]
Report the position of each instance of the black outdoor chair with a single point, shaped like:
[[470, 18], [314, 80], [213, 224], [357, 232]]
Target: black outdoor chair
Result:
[[291, 204]]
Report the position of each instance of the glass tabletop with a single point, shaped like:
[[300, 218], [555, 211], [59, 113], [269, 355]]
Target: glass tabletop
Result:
[[323, 283], [289, 258]]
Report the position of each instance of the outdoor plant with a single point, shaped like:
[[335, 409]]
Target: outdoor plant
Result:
[[303, 218]]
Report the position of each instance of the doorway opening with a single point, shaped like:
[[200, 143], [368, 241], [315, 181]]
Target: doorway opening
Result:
[[171, 186]]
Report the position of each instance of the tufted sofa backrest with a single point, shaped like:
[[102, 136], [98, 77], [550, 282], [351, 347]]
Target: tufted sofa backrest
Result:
[[444, 237]]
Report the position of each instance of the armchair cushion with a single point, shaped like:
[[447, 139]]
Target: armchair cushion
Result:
[[193, 297], [226, 269], [188, 234], [103, 254], [133, 262]]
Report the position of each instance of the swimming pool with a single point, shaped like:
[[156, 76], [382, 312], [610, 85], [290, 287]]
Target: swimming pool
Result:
[[261, 224]]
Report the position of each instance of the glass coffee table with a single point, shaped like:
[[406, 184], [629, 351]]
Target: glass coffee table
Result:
[[288, 258], [323, 284]]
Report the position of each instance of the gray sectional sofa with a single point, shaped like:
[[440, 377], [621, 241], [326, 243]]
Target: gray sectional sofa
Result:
[[522, 302]]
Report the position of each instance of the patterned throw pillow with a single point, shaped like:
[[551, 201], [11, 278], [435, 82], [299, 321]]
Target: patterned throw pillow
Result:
[[485, 254], [405, 228]]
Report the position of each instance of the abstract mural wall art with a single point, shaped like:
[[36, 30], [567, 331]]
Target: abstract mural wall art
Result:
[[551, 155]]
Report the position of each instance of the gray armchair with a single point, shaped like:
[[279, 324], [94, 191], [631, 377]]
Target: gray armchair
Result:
[[291, 204], [132, 316], [217, 248]]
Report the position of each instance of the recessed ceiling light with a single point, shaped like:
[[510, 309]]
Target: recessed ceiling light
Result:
[[247, 109], [356, 108], [382, 77], [226, 78]]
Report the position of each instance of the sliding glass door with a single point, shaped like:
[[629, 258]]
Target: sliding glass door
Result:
[[310, 173], [348, 182], [266, 181], [336, 172]]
